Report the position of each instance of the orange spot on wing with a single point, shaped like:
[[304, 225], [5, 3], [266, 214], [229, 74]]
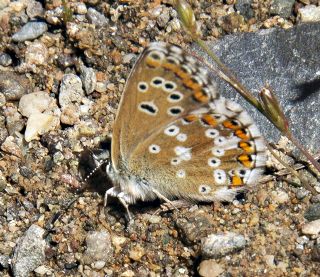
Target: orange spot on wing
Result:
[[153, 63], [240, 133], [209, 119], [230, 125], [190, 118], [236, 181], [245, 160], [246, 147]]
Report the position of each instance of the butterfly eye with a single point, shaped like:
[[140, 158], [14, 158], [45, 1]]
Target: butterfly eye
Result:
[[175, 110]]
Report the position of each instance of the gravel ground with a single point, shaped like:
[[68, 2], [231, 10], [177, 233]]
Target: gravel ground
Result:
[[63, 66]]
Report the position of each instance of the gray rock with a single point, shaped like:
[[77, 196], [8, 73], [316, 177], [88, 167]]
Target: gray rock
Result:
[[313, 212], [96, 18], [34, 9], [220, 245], [4, 261], [30, 31], [309, 13], [163, 18], [245, 8], [89, 79], [193, 228], [29, 252], [288, 61], [302, 193], [99, 247], [70, 90], [282, 7], [13, 86], [5, 59]]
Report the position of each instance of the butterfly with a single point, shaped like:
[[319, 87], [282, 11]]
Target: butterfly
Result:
[[175, 137]]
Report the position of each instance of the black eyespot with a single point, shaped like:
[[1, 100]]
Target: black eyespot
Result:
[[169, 86], [175, 96], [213, 161], [142, 86], [235, 122], [157, 81], [216, 116], [175, 111], [148, 108], [155, 56], [242, 172], [203, 189]]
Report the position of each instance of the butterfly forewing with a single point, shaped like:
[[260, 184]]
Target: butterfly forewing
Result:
[[175, 133]]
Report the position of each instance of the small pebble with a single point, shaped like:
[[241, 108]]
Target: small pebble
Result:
[[4, 261], [88, 78], [136, 253], [280, 197], [34, 9], [220, 245], [301, 193], [70, 90], [10, 146], [30, 31], [96, 18], [36, 53], [313, 212], [80, 8], [5, 59], [245, 8], [39, 124], [13, 86], [282, 7], [99, 247], [310, 13], [210, 268], [35, 102], [44, 270], [311, 228], [98, 265]]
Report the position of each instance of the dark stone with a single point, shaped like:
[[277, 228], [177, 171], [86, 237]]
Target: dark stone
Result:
[[288, 61], [245, 9], [282, 7], [313, 212]]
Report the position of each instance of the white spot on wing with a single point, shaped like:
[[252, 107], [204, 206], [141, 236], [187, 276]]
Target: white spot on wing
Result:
[[172, 131], [220, 176], [181, 173], [214, 162], [183, 153], [154, 149], [204, 189], [181, 137], [211, 133]]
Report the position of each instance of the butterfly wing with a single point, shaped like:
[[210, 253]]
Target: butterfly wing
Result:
[[177, 136], [163, 85]]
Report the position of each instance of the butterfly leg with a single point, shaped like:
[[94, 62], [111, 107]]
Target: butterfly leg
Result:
[[162, 197], [122, 197]]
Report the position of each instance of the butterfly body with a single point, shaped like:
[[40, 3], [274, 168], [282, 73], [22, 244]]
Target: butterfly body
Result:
[[175, 137]]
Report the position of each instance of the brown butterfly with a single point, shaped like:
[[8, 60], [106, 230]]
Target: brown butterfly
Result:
[[175, 136]]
